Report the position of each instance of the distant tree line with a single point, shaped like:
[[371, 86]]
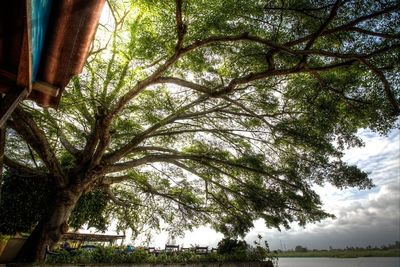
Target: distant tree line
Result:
[[395, 245]]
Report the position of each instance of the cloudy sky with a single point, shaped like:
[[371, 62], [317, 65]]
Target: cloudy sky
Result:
[[368, 217]]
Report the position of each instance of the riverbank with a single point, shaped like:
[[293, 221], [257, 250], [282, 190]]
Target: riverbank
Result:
[[202, 264], [338, 253]]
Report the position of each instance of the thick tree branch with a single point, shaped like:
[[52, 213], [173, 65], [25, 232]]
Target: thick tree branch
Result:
[[91, 143], [298, 9], [130, 146], [196, 130], [225, 188], [109, 180], [146, 187], [201, 113], [331, 16], [154, 148], [63, 139], [97, 142], [243, 107], [180, 26], [184, 83], [372, 33], [68, 146], [148, 159], [325, 86], [202, 159], [104, 141], [140, 86], [386, 86], [234, 38], [346, 26], [346, 55], [22, 168], [210, 180], [263, 74], [117, 201], [24, 124]]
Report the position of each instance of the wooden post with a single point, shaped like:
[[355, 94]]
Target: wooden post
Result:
[[24, 75]]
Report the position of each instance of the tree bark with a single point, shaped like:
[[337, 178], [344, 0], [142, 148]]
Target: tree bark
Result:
[[51, 228], [2, 145]]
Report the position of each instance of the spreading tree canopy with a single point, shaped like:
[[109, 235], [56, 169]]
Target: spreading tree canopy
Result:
[[217, 112]]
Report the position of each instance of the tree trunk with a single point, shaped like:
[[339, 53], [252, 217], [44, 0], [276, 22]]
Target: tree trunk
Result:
[[51, 227]]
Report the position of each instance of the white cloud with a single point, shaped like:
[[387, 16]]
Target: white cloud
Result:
[[362, 217]]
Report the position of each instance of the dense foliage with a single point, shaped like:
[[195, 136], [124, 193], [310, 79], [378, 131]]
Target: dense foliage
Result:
[[118, 256], [23, 203], [25, 200], [218, 112], [231, 246], [89, 210]]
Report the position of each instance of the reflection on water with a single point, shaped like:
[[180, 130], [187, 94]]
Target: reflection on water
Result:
[[334, 262]]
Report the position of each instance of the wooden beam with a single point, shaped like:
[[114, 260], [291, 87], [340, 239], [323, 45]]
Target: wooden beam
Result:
[[10, 102], [46, 88], [8, 75], [40, 86], [24, 76]]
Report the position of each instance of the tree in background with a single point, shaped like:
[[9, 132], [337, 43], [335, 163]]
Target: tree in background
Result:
[[300, 249], [213, 112]]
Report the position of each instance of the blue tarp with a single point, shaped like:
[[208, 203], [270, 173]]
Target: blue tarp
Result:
[[40, 20]]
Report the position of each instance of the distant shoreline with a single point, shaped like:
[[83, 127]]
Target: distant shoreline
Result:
[[338, 254]]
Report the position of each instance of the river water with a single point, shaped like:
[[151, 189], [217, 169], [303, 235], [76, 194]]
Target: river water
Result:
[[335, 262]]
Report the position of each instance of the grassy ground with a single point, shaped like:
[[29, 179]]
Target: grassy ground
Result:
[[340, 254]]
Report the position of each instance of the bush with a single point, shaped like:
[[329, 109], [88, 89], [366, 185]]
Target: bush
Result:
[[260, 253], [137, 256], [233, 251], [188, 257], [105, 255], [230, 246], [73, 257]]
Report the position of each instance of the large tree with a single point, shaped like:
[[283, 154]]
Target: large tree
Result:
[[218, 112]]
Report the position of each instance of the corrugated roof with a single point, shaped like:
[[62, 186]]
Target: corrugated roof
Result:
[[71, 28]]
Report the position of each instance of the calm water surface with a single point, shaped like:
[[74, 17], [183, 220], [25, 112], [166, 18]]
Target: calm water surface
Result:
[[333, 262]]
